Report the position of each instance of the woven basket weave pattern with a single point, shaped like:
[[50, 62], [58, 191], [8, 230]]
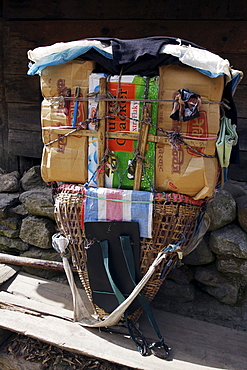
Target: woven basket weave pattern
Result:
[[172, 221]]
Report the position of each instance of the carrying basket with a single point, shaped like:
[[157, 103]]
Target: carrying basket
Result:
[[175, 220]]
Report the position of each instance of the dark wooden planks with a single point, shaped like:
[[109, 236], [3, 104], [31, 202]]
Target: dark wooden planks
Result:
[[25, 143], [22, 116], [240, 99], [238, 171], [242, 133], [218, 36], [22, 89], [125, 9], [42, 309]]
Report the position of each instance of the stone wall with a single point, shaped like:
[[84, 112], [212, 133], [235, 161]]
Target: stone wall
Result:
[[210, 284], [27, 219]]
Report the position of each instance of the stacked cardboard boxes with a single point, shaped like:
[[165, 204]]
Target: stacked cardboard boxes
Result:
[[124, 117], [180, 169], [64, 160]]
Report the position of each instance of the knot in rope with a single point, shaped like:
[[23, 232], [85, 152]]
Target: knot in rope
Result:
[[115, 106], [141, 157], [175, 139]]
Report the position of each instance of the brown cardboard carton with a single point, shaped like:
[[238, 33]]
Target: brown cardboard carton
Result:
[[64, 160], [55, 80], [62, 80], [173, 78], [182, 171]]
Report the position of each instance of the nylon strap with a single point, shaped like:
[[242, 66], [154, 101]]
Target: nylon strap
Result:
[[128, 255], [134, 332], [105, 254]]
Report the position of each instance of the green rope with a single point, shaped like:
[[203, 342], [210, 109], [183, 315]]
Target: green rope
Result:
[[120, 200]]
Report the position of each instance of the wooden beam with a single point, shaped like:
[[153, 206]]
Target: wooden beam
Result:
[[133, 136], [101, 131], [227, 36], [141, 147], [32, 262], [105, 10], [25, 143], [42, 309]]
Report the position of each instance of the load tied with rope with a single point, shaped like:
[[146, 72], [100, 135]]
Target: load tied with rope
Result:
[[135, 140]]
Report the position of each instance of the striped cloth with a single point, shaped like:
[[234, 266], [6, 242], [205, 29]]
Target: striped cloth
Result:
[[105, 204]]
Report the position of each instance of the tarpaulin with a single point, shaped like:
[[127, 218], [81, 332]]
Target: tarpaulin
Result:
[[135, 56]]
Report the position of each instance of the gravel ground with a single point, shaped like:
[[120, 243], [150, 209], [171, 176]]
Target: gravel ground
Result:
[[48, 357]]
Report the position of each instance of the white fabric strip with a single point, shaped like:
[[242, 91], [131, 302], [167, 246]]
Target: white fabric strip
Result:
[[36, 54], [127, 205], [102, 204], [150, 224]]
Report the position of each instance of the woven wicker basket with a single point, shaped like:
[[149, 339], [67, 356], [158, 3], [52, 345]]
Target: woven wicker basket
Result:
[[174, 216]]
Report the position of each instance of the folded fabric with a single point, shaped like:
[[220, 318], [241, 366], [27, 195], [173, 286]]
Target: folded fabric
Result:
[[186, 105], [228, 137], [105, 204]]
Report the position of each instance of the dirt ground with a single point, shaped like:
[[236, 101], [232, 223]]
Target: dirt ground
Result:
[[21, 352]]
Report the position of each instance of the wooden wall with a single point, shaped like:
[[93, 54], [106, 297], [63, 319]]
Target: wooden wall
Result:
[[220, 26]]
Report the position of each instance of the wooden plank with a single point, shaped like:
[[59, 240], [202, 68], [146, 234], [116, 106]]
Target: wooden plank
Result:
[[142, 143], [240, 98], [22, 116], [101, 132], [22, 303], [15, 9], [6, 272], [41, 296], [42, 309], [39, 290], [33, 262], [25, 143], [226, 36], [238, 171], [242, 134], [22, 89], [131, 136], [15, 61], [7, 162], [197, 342]]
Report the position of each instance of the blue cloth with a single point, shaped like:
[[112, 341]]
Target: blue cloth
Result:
[[63, 57], [104, 204]]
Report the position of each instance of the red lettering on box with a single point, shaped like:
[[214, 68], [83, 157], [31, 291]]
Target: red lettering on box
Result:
[[198, 127], [61, 144], [177, 160], [122, 122]]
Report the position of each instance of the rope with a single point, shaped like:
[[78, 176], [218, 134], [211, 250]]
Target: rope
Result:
[[175, 138], [106, 97], [120, 200]]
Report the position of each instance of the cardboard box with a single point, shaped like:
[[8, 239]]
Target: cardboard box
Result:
[[131, 87], [179, 171], [183, 170], [173, 78], [62, 80], [64, 160]]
